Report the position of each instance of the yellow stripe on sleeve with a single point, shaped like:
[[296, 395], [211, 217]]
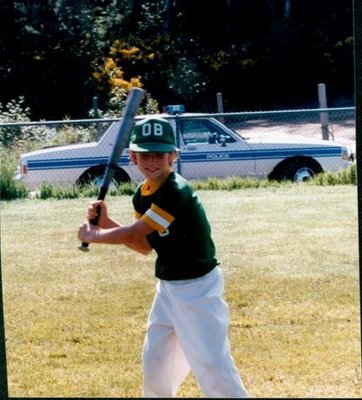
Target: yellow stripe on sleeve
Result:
[[157, 218], [162, 213]]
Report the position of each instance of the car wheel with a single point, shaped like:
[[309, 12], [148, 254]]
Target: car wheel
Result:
[[94, 176], [300, 170], [303, 174]]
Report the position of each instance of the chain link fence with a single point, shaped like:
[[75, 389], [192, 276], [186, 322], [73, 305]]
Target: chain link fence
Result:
[[196, 135], [334, 124]]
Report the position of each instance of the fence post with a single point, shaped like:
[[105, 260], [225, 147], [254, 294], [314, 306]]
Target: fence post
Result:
[[286, 8], [322, 97], [95, 107], [220, 106], [219, 101], [96, 115]]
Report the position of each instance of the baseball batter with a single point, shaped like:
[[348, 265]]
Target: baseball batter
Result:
[[188, 321]]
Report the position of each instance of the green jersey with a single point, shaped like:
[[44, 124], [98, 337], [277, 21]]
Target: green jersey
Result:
[[182, 235]]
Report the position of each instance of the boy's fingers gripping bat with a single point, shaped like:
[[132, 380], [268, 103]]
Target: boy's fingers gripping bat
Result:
[[134, 100]]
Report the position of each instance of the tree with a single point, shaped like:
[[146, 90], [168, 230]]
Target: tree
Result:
[[259, 53]]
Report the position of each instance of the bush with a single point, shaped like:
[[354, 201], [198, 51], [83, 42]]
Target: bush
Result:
[[117, 103], [346, 176], [13, 111], [9, 188], [69, 134], [21, 138]]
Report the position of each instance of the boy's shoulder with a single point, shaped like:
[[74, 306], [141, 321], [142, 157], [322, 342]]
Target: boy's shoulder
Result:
[[178, 182]]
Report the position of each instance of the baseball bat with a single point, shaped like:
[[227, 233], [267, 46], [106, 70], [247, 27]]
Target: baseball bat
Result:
[[134, 99]]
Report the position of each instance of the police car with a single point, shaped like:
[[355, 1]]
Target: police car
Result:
[[208, 148]]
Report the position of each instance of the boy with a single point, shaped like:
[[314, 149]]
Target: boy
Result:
[[188, 321]]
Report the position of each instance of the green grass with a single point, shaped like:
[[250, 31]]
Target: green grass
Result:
[[75, 321]]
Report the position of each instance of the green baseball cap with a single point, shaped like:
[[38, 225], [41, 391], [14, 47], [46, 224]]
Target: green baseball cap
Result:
[[152, 135]]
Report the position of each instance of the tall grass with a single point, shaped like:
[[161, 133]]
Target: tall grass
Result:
[[48, 191], [75, 321], [9, 188], [346, 176]]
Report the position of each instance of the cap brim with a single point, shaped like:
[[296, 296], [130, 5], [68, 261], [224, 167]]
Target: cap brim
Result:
[[152, 148]]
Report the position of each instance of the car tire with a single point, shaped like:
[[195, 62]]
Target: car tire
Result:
[[300, 170], [94, 176]]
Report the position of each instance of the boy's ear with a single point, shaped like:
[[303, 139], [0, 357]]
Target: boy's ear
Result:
[[175, 155], [132, 157]]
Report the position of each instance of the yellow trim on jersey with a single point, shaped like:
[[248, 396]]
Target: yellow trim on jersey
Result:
[[149, 188], [137, 214], [157, 218]]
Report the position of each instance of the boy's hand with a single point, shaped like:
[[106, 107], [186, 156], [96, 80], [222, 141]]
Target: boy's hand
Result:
[[87, 232], [97, 209]]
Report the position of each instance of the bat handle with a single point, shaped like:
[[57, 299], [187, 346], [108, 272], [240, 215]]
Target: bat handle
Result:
[[84, 246]]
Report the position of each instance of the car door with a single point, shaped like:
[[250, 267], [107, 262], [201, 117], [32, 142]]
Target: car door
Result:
[[209, 149]]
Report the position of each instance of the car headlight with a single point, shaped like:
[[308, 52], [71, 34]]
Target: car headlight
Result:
[[347, 154]]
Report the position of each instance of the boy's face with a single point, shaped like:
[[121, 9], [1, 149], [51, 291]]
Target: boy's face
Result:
[[154, 167]]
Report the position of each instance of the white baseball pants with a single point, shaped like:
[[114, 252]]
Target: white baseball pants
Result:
[[187, 329]]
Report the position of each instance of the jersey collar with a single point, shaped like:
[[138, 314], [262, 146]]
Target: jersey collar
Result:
[[149, 188]]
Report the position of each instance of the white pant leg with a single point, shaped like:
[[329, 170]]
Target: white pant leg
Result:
[[200, 318], [164, 364]]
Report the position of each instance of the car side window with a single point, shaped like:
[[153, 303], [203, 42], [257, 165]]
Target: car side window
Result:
[[203, 132], [194, 131]]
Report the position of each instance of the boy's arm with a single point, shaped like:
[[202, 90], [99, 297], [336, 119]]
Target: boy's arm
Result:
[[133, 236]]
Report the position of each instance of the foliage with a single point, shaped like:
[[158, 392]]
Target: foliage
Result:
[[68, 134], [9, 188], [110, 78], [48, 191], [13, 111], [256, 53], [151, 107], [26, 138], [110, 75], [187, 81], [117, 102], [21, 137], [346, 176]]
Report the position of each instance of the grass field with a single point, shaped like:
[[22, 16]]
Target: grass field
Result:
[[75, 321]]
